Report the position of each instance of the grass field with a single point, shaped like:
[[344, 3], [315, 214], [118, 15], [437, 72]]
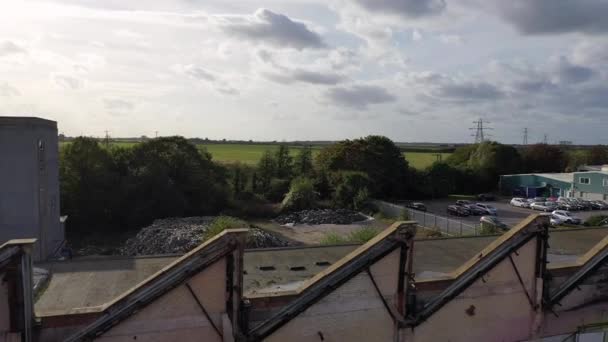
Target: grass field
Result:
[[421, 160], [244, 153], [250, 153]]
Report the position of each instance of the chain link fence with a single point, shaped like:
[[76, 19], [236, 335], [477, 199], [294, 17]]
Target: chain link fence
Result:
[[429, 221]]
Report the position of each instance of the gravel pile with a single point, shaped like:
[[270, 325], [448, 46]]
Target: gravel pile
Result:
[[321, 216], [180, 235]]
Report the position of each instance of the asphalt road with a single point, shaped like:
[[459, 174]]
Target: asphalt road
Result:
[[506, 213]]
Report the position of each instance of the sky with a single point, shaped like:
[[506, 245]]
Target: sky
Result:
[[412, 70]]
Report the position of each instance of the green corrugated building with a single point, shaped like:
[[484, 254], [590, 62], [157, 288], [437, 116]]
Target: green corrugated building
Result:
[[591, 185]]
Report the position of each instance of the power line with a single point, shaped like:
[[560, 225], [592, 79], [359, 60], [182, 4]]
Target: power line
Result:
[[480, 131], [526, 136]]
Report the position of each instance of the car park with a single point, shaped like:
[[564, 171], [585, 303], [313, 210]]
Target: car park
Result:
[[458, 210], [520, 202], [488, 209], [494, 221], [417, 206], [566, 217]]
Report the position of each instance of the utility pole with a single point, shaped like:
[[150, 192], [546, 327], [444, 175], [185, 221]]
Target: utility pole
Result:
[[156, 134], [545, 140], [480, 131], [439, 157], [526, 136]]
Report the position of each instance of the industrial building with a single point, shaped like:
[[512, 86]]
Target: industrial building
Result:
[[591, 185], [529, 284], [29, 183]]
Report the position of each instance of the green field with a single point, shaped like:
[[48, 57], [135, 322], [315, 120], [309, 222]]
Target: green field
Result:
[[250, 153], [421, 160], [244, 153]]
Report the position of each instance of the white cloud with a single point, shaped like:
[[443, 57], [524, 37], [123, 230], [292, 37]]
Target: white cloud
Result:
[[416, 36], [8, 47], [7, 90], [266, 26], [451, 39]]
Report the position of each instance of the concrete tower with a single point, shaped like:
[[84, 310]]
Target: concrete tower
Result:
[[29, 183]]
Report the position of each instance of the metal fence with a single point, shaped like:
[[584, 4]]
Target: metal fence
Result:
[[430, 221]]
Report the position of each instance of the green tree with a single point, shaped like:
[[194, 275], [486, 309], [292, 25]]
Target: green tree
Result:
[[88, 183], [283, 162], [351, 189], [597, 155], [302, 165], [239, 179], [266, 171], [544, 158], [170, 177], [376, 156], [301, 195]]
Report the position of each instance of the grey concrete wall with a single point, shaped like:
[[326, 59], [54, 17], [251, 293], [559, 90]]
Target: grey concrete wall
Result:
[[29, 183]]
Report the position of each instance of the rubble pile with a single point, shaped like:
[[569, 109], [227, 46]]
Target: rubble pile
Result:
[[321, 216], [180, 235]]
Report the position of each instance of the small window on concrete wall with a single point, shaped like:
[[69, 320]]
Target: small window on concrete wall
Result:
[[605, 182], [585, 180]]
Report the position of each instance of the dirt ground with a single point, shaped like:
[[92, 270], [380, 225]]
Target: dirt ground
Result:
[[304, 234]]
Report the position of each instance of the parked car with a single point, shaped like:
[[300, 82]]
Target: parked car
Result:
[[542, 206], [488, 209], [493, 220], [519, 202], [603, 205], [473, 209], [539, 199], [563, 205], [486, 197], [583, 204], [574, 204], [555, 220], [417, 206], [457, 210], [566, 217], [595, 205]]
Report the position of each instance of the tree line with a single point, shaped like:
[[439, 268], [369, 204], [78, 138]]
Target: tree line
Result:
[[128, 187]]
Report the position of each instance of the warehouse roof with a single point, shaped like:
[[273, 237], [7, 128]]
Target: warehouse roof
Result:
[[562, 177], [88, 282]]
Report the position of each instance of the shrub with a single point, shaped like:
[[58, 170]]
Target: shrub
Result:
[[595, 221], [350, 189], [301, 195], [332, 239], [405, 215], [362, 235], [489, 229], [360, 199], [221, 223], [277, 189]]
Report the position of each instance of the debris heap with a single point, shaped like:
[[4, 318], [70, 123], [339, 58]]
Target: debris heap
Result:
[[321, 216], [180, 235]]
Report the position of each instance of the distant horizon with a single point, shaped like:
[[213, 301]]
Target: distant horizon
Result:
[[411, 70]]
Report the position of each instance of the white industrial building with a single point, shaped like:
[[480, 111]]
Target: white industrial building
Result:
[[29, 183]]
